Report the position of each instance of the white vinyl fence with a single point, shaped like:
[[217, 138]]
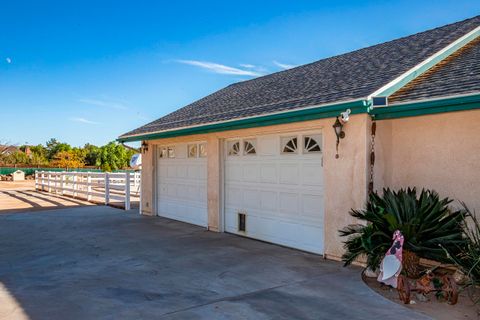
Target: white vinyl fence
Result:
[[98, 187]]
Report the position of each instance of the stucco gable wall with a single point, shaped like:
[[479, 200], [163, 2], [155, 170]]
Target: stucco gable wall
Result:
[[440, 152]]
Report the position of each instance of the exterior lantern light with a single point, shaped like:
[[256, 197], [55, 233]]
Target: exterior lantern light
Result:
[[144, 146], [338, 127]]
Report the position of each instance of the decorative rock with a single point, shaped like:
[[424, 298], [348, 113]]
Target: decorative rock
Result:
[[421, 297], [369, 273]]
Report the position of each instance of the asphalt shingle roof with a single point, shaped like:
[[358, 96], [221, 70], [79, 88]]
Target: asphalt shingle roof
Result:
[[457, 75], [349, 76]]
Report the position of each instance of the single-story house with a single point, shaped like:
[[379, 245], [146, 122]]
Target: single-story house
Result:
[[284, 157]]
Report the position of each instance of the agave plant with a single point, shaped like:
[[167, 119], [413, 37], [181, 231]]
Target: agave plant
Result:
[[426, 221]]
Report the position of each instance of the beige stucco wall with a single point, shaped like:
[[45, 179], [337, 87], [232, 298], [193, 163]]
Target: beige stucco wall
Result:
[[345, 178], [440, 152], [148, 172]]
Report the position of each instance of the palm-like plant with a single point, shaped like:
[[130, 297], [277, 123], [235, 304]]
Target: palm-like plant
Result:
[[425, 221]]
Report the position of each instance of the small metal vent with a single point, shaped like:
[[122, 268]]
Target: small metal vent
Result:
[[379, 101], [242, 222]]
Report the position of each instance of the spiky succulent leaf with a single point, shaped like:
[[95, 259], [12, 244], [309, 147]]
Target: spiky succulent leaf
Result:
[[426, 221]]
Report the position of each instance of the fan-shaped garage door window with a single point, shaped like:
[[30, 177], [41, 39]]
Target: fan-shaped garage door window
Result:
[[312, 143], [234, 148], [289, 145], [249, 147]]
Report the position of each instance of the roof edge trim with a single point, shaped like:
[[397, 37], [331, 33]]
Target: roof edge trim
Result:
[[305, 114], [426, 107], [425, 65]]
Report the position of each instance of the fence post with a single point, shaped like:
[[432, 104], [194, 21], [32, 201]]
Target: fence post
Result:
[[62, 177], [36, 180], [49, 184], [74, 185], [89, 187], [127, 190], [107, 188]]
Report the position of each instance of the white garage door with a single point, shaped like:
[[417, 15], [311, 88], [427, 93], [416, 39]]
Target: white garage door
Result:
[[182, 183], [276, 181]]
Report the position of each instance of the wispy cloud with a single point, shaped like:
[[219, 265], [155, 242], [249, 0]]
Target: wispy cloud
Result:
[[9, 60], [104, 103], [284, 65], [83, 120], [247, 65], [220, 68]]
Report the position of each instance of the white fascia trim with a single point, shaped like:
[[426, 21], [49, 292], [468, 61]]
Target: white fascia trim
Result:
[[244, 118], [419, 69]]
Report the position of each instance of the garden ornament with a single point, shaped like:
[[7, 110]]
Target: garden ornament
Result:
[[391, 265]]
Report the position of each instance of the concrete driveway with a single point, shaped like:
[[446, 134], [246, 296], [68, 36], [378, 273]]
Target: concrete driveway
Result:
[[105, 263]]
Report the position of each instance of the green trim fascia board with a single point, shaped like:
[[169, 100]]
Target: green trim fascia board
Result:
[[427, 64], [358, 106], [421, 108]]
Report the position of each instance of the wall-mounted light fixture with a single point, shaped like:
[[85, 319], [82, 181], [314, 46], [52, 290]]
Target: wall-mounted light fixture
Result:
[[144, 146], [338, 127]]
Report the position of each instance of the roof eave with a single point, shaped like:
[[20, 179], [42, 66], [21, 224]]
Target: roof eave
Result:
[[427, 107], [305, 114]]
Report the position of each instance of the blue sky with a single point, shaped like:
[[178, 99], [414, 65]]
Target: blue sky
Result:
[[88, 71]]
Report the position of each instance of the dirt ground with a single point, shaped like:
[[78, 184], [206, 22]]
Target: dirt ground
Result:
[[464, 309], [21, 196], [18, 185]]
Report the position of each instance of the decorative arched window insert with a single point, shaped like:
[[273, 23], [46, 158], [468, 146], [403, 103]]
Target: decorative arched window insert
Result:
[[192, 150], [289, 145], [312, 143], [163, 153], [249, 147], [234, 148], [202, 150]]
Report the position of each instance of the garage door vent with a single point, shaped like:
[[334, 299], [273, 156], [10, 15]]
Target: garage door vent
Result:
[[242, 222]]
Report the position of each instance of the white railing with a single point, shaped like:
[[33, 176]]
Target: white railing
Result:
[[98, 187]]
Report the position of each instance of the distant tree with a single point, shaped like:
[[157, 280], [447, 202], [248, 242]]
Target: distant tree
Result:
[[39, 149], [91, 154], [17, 157], [53, 146], [68, 159], [114, 156]]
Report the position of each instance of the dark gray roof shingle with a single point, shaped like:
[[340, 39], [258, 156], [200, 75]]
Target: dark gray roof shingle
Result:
[[458, 74], [345, 77]]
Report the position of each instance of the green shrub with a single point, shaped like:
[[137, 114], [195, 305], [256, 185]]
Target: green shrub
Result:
[[425, 221]]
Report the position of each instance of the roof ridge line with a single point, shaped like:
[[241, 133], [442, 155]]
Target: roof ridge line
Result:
[[419, 69]]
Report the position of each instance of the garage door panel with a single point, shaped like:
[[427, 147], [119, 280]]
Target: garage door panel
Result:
[[267, 145], [289, 174], [289, 203], [312, 175], [268, 173], [182, 186], [251, 199], [182, 172], [269, 200], [234, 172], [281, 194], [234, 196]]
